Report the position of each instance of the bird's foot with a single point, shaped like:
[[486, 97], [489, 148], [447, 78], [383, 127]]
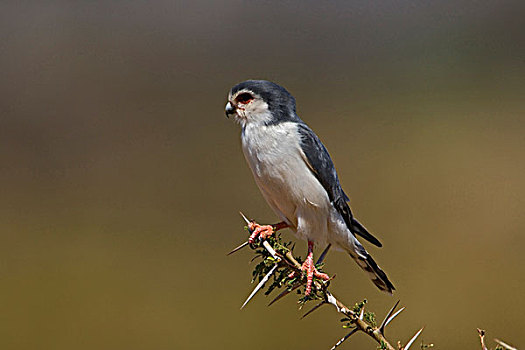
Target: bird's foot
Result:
[[311, 272], [263, 231]]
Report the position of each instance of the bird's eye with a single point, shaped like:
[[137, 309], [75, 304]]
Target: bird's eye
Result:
[[244, 98]]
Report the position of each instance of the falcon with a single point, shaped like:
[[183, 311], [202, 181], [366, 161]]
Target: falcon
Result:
[[297, 177]]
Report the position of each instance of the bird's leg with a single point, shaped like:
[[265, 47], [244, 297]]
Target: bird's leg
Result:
[[311, 271], [264, 231]]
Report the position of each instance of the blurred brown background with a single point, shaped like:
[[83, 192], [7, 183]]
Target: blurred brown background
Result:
[[121, 178]]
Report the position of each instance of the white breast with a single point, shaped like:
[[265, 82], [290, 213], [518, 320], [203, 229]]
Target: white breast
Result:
[[290, 188]]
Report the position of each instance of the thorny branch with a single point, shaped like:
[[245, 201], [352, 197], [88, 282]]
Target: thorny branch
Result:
[[278, 261], [501, 344]]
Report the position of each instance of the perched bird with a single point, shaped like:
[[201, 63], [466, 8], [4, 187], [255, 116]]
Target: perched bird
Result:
[[296, 176]]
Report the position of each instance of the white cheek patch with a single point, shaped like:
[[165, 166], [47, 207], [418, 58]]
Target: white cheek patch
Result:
[[241, 112], [257, 112]]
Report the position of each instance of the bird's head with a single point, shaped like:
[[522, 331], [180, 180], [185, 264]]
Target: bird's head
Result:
[[260, 102]]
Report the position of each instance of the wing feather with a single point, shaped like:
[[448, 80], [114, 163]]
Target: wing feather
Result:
[[318, 160]]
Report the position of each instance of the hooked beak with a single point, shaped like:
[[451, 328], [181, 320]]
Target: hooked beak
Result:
[[229, 109]]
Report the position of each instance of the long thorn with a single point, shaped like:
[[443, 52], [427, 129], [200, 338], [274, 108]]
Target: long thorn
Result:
[[413, 339], [394, 316], [255, 258], [362, 313], [260, 285], [323, 254], [270, 250], [343, 339], [314, 308], [387, 317], [505, 345], [248, 222], [238, 248], [285, 293]]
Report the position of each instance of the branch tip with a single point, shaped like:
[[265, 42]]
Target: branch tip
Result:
[[481, 333]]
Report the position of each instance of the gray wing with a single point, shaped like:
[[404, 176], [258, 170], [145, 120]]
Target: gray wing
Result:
[[321, 165]]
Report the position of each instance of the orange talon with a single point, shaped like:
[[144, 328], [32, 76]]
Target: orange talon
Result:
[[309, 267], [263, 231]]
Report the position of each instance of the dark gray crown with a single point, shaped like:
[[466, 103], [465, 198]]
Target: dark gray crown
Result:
[[280, 102]]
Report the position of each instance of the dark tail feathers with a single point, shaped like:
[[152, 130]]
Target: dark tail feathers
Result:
[[377, 275], [360, 230]]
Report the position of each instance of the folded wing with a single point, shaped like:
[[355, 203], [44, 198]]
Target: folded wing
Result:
[[318, 160]]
